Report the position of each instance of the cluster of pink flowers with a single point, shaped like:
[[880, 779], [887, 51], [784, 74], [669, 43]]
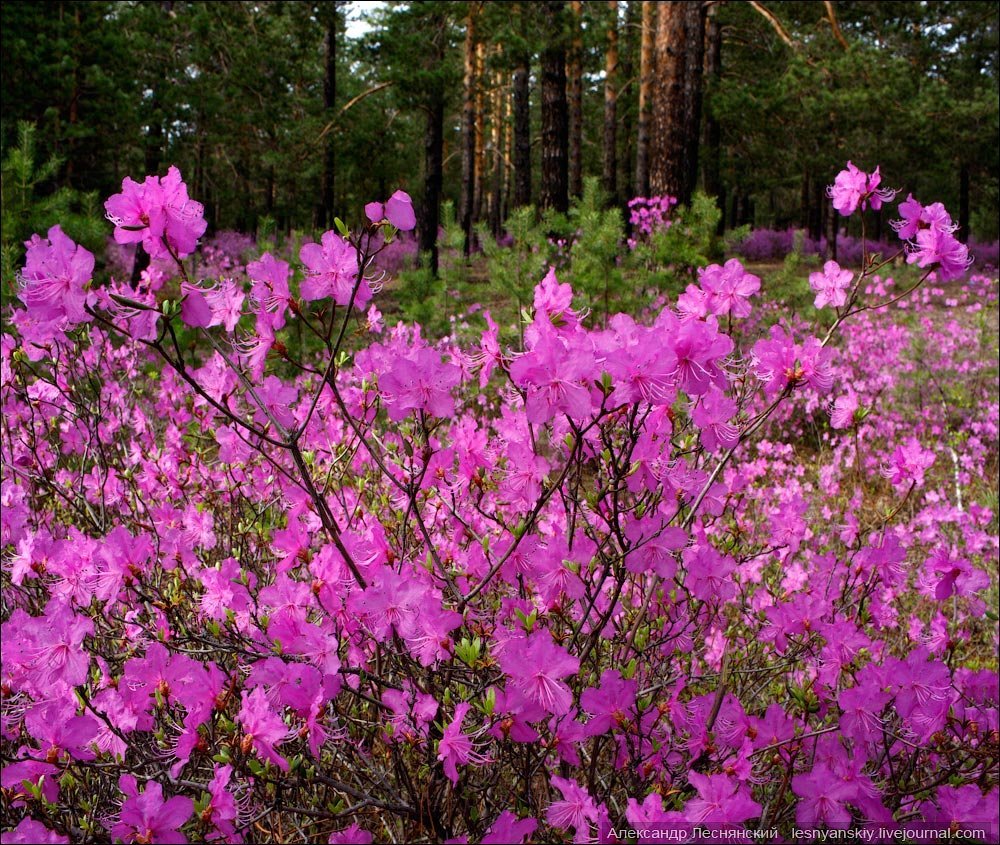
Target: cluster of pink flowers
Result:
[[647, 215], [454, 591]]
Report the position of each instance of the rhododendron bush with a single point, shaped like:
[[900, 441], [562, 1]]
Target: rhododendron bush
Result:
[[708, 566]]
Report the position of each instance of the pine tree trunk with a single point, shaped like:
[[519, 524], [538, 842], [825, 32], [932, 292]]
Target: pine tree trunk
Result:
[[647, 69], [963, 202], [496, 139], [611, 104], [694, 61], [522, 134], [574, 92], [433, 168], [469, 131], [627, 56], [711, 169], [329, 104], [676, 95], [667, 136], [555, 117], [480, 152]]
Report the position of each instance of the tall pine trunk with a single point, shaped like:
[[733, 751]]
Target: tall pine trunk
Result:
[[496, 141], [479, 168], [433, 170], [329, 104], [712, 158], [667, 136], [694, 61], [574, 92], [610, 159], [522, 133], [555, 117], [628, 55], [469, 131], [647, 70], [676, 95]]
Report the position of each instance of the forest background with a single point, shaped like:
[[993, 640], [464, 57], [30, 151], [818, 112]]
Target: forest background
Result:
[[279, 120]]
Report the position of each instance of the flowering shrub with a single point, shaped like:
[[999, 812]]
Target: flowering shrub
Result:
[[449, 592], [648, 215]]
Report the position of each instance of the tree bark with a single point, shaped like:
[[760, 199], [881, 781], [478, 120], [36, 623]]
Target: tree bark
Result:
[[712, 166], [555, 118], [496, 140], [469, 130], [668, 137], [522, 133], [647, 59], [433, 169], [574, 92], [610, 159], [694, 61], [480, 151], [676, 95], [628, 54], [963, 202], [329, 104]]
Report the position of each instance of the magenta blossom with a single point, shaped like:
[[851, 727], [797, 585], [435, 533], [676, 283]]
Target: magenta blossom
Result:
[[455, 748], [729, 288], [852, 188], [147, 818], [158, 214], [536, 665], [831, 285], [54, 280], [721, 800], [333, 272], [576, 810], [263, 728], [398, 210]]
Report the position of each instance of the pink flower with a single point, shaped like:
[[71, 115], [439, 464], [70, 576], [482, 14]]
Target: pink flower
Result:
[[399, 211], [553, 373], [375, 212], [953, 576], [225, 302], [536, 666], [712, 415], [333, 272], [222, 811], [908, 463], [30, 832], [697, 350], [508, 829], [158, 214], [781, 363], [843, 412], [831, 285], [147, 818], [195, 310], [353, 835], [56, 273], [455, 748], [822, 799], [611, 704], [936, 246], [576, 809], [270, 292], [420, 381], [729, 288], [912, 222], [852, 188], [721, 800], [263, 728], [709, 573]]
